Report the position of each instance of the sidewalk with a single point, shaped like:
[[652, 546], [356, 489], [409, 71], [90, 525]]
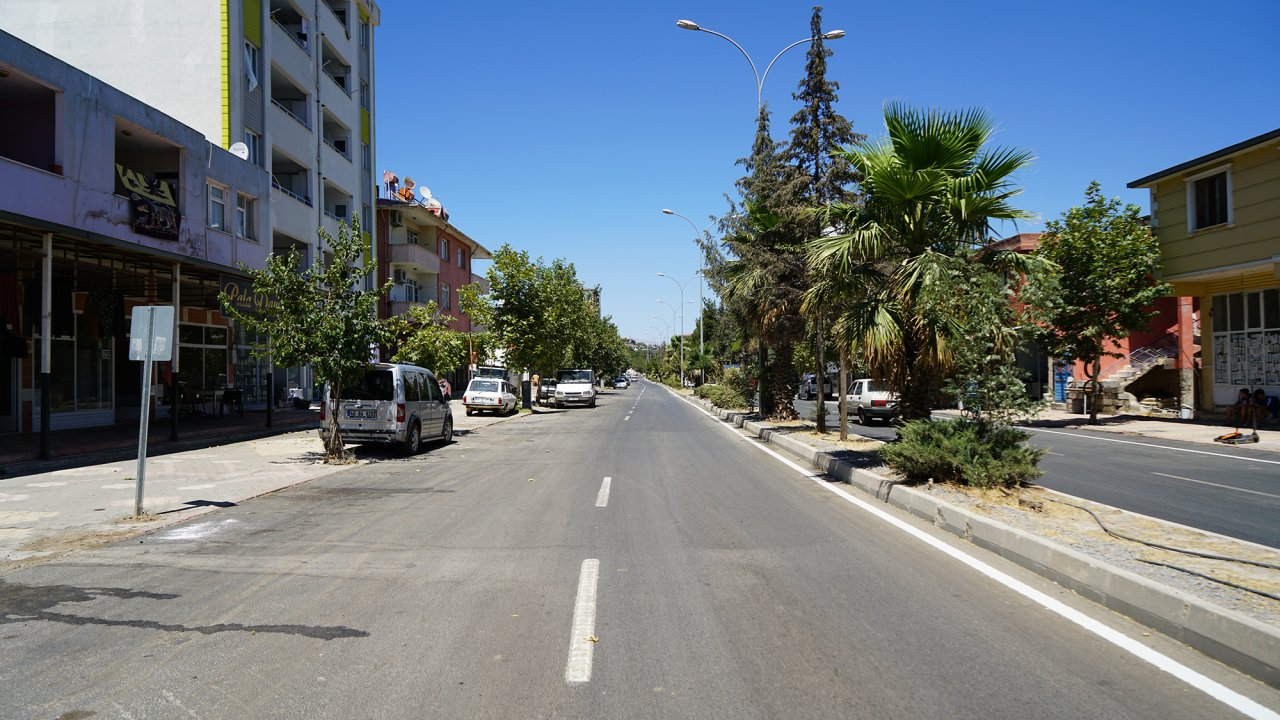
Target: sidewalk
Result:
[[84, 503]]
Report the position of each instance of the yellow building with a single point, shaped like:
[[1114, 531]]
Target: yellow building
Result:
[[1217, 219]]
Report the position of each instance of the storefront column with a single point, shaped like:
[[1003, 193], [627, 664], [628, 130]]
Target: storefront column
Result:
[[1186, 353], [46, 341], [175, 399]]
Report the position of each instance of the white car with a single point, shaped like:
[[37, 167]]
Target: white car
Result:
[[871, 400], [490, 395]]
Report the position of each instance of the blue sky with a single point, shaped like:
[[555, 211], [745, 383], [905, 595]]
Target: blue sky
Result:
[[564, 128]]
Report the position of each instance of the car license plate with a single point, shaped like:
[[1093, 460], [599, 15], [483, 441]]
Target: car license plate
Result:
[[362, 414]]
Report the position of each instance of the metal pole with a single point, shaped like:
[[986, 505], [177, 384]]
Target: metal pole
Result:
[[144, 424], [175, 401]]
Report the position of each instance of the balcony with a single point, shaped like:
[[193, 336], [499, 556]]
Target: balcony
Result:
[[415, 257]]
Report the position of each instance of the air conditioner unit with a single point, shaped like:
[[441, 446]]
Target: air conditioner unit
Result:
[[400, 276], [396, 220]]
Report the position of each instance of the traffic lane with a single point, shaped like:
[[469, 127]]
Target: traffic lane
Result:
[[1226, 495], [738, 588], [438, 586], [876, 430]]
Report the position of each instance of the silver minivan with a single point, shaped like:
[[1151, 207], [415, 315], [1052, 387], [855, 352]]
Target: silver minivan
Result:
[[393, 403]]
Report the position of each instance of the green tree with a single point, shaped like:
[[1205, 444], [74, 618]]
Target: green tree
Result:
[[822, 175], [423, 337], [1110, 264], [931, 190], [321, 317]]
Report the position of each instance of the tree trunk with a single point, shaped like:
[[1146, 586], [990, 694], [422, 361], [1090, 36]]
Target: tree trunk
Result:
[[783, 385], [762, 386], [334, 450], [820, 408], [914, 397], [844, 389]]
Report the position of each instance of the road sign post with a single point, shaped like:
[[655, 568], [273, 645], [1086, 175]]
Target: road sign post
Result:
[[149, 341]]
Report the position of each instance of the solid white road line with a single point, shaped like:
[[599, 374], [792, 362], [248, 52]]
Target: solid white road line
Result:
[[1227, 487], [1157, 447], [1199, 681], [582, 640], [602, 498]]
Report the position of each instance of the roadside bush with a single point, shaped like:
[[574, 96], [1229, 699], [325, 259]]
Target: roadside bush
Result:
[[968, 452], [722, 396]]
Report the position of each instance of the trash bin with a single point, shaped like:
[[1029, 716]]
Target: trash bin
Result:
[[1186, 413], [1077, 404]]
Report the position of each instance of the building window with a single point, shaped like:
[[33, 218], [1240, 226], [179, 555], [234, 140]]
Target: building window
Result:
[[364, 34], [366, 157], [1246, 342], [445, 297], [462, 258], [252, 61], [444, 249], [217, 208], [202, 356], [1209, 200], [253, 141], [364, 95], [245, 213]]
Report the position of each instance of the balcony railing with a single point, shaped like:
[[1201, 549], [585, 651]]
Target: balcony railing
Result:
[[289, 112], [336, 149], [293, 35], [340, 86], [275, 184], [339, 218], [342, 20]]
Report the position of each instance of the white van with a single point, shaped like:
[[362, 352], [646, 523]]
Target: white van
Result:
[[393, 403]]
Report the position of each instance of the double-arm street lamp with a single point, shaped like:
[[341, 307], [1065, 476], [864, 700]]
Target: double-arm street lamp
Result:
[[697, 236], [691, 25]]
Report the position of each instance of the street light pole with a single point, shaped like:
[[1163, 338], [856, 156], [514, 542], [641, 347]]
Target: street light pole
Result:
[[697, 236], [673, 317], [691, 25]]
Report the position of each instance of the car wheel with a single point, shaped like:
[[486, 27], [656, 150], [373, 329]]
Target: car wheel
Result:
[[446, 437], [414, 442], [862, 416]]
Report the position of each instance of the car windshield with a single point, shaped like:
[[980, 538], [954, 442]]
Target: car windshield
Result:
[[376, 385], [484, 386], [573, 376]]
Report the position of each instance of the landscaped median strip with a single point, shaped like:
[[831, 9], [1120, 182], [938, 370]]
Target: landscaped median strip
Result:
[[1230, 637]]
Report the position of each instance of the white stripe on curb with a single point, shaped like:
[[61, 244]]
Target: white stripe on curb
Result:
[[1199, 681], [582, 640], [602, 498]]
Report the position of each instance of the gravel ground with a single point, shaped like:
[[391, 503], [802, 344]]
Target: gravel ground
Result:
[[1040, 511]]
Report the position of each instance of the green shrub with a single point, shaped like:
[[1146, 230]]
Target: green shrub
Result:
[[722, 396], [969, 452]]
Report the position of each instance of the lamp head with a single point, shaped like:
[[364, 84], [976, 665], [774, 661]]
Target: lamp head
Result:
[[668, 211], [662, 274], [833, 35], [687, 25]]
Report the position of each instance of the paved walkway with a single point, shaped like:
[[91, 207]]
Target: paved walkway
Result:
[[86, 501]]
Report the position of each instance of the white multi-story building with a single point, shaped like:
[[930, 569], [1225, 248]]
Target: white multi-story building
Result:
[[290, 79]]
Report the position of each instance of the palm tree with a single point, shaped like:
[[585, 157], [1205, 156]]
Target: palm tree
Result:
[[931, 190]]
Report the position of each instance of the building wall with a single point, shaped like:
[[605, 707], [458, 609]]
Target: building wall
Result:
[[155, 51], [1254, 234]]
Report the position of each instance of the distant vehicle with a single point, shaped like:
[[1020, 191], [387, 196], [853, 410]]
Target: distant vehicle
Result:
[[809, 387], [546, 390], [575, 387], [871, 400], [489, 395], [393, 403], [621, 382]]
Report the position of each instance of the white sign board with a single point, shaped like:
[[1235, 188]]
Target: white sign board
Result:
[[154, 324]]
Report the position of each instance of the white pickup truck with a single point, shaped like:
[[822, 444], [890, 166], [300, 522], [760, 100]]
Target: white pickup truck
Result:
[[871, 400], [575, 387]]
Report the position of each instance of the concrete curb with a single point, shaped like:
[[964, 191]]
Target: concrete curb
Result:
[[1232, 638]]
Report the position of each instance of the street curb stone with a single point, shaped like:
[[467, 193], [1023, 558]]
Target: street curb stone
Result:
[[1239, 641]]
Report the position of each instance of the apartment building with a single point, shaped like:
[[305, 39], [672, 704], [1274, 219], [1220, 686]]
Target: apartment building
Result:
[[291, 80], [110, 204]]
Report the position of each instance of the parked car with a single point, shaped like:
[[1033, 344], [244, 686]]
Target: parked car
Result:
[[489, 395], [871, 400], [809, 387], [621, 382], [575, 387], [393, 403]]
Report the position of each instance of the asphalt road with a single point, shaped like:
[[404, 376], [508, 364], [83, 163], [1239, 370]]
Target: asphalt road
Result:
[[504, 577], [1232, 491]]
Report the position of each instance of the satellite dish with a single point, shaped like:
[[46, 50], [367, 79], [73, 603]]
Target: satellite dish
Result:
[[408, 182], [425, 192], [433, 204], [240, 150]]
